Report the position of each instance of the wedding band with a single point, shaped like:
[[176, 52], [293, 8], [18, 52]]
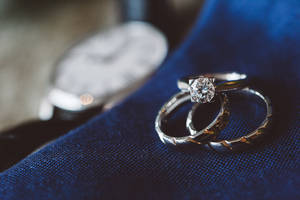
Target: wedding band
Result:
[[241, 142], [203, 88], [211, 130]]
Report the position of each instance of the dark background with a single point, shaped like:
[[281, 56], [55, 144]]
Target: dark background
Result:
[[34, 34]]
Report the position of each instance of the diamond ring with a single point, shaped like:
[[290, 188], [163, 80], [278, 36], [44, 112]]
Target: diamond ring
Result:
[[203, 88]]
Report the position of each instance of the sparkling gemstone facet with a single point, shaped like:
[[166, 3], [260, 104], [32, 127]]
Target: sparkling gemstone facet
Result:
[[202, 89]]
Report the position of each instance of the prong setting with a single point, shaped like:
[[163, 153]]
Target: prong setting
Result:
[[202, 89]]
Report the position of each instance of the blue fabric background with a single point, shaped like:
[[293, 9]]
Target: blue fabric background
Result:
[[119, 155]]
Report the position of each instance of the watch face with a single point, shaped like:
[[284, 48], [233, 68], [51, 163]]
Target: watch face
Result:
[[105, 64]]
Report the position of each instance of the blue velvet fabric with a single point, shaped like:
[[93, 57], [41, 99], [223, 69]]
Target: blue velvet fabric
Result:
[[118, 155]]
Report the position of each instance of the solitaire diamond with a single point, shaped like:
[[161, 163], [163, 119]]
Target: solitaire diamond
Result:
[[202, 89]]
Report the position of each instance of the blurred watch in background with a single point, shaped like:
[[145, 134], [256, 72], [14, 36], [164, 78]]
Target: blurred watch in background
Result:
[[103, 69], [91, 77]]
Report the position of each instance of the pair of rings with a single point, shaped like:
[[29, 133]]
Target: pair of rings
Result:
[[204, 89]]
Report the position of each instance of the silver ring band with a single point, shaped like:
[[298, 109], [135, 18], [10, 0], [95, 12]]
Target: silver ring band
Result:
[[210, 131], [183, 83], [241, 142]]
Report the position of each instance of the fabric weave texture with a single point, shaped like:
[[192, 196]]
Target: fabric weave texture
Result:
[[118, 155]]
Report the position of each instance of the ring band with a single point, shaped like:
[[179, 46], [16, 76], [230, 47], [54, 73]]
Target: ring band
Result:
[[202, 88], [241, 142], [211, 130]]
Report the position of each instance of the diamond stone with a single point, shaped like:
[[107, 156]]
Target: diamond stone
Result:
[[202, 89]]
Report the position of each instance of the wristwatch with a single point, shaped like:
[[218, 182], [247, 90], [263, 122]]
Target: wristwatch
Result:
[[103, 69], [91, 77]]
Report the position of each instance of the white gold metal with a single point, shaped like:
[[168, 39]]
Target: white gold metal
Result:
[[241, 142], [202, 88], [210, 131]]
